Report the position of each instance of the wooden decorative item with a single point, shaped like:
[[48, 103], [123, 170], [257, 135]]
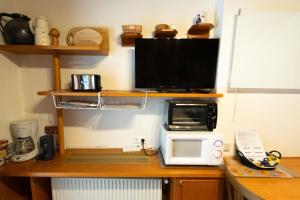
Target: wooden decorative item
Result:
[[88, 36], [130, 33], [132, 28], [164, 31], [54, 36], [128, 39], [200, 31]]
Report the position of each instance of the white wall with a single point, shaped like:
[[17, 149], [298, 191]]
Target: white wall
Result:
[[109, 128], [11, 101], [275, 114]]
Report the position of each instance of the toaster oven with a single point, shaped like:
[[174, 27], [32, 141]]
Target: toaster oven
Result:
[[190, 115]]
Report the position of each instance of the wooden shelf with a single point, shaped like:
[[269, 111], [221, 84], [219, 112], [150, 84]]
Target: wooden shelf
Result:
[[49, 50], [128, 93]]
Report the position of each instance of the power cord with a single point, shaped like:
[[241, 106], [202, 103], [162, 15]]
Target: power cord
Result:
[[145, 150]]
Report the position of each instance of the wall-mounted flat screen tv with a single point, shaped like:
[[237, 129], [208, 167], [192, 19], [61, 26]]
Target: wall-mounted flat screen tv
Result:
[[189, 64]]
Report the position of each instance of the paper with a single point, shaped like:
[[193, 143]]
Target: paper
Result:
[[249, 144]]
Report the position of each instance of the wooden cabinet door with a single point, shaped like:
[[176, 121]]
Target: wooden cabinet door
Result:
[[197, 189], [14, 188]]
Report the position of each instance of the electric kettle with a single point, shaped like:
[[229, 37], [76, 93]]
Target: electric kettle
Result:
[[16, 30]]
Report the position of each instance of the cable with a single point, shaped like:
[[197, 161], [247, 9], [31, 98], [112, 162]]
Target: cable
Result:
[[235, 105], [145, 150], [145, 101]]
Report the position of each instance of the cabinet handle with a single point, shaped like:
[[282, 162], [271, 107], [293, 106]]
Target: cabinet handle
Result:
[[166, 181]]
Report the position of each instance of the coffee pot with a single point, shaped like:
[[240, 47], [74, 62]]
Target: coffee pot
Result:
[[24, 146], [17, 30]]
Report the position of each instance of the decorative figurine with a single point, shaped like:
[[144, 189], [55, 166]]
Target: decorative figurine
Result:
[[198, 19]]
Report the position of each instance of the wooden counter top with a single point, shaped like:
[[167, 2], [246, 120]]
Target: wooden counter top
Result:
[[59, 168], [270, 188]]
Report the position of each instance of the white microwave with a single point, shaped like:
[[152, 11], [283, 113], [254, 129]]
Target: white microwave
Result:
[[191, 147]]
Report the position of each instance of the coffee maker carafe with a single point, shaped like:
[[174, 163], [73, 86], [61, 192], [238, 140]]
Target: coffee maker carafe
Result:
[[24, 146]]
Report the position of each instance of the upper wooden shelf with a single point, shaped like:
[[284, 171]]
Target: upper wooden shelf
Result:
[[48, 50], [128, 93]]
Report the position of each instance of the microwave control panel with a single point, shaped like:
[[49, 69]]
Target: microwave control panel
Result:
[[217, 149]]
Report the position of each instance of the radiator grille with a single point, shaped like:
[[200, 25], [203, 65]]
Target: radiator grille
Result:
[[106, 189]]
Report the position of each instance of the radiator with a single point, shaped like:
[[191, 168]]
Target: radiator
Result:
[[106, 189]]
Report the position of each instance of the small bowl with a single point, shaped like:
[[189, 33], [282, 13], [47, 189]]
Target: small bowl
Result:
[[132, 28]]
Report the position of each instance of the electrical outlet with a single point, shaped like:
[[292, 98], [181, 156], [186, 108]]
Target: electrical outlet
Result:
[[136, 141]]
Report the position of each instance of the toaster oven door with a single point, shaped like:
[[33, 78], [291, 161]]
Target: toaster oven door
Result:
[[189, 115]]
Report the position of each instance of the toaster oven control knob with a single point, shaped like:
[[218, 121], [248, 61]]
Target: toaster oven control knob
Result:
[[218, 143], [218, 154]]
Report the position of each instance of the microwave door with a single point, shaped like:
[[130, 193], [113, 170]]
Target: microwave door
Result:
[[188, 151]]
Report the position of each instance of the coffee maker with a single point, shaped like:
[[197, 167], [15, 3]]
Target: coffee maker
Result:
[[24, 146]]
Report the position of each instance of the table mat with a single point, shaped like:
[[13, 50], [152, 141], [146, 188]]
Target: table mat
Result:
[[107, 158], [236, 168]]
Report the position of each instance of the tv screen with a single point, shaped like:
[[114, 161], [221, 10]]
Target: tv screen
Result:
[[176, 63]]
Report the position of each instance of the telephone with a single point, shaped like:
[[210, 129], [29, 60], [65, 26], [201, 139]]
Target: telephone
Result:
[[272, 159]]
